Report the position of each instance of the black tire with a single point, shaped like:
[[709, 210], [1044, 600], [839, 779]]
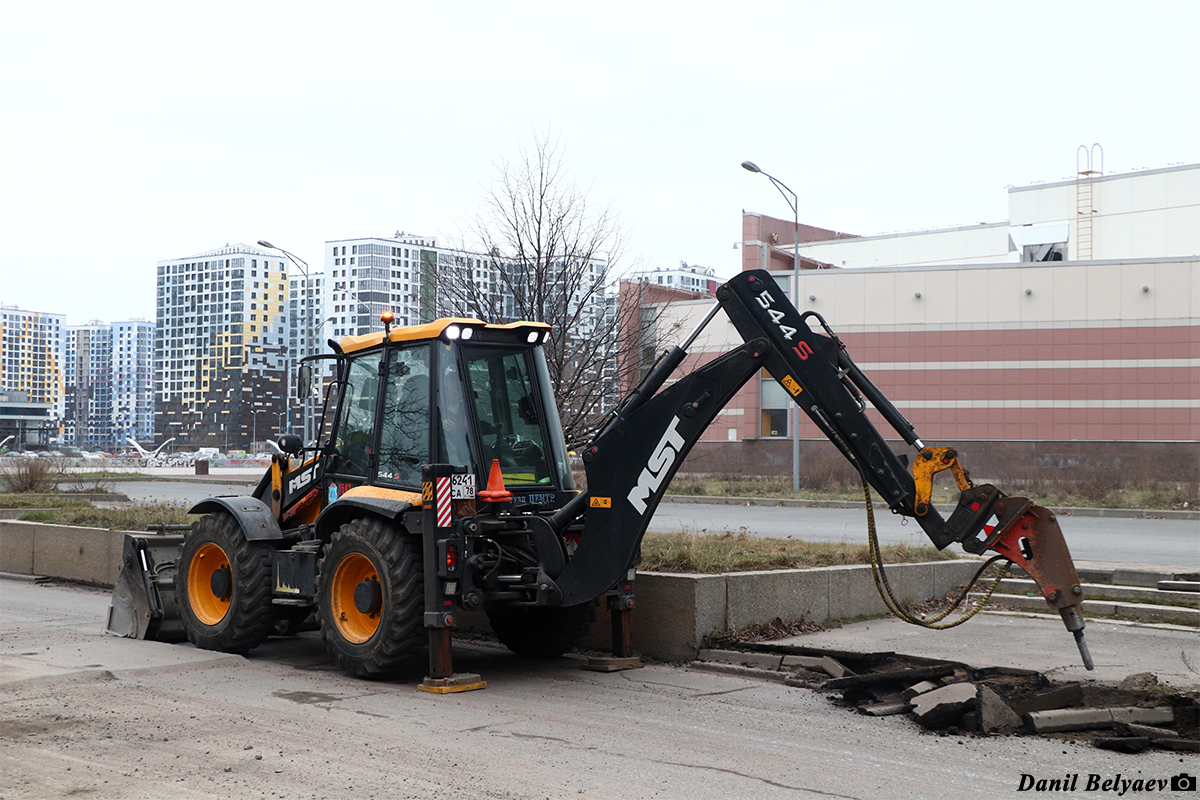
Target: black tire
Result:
[[386, 636], [541, 632], [230, 612]]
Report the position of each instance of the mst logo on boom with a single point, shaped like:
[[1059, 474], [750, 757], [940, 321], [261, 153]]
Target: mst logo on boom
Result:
[[656, 468]]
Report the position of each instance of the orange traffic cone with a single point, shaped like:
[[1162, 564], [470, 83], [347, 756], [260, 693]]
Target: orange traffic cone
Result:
[[495, 491]]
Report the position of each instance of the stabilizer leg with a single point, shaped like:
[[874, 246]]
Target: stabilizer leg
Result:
[[622, 658], [442, 678]]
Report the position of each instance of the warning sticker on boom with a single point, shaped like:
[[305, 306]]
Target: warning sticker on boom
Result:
[[790, 384]]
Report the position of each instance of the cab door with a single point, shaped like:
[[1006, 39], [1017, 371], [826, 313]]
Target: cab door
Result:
[[355, 428]]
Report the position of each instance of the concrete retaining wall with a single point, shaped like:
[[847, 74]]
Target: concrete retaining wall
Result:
[[674, 611], [61, 551]]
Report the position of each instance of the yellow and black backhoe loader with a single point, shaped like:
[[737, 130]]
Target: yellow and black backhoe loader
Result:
[[382, 528]]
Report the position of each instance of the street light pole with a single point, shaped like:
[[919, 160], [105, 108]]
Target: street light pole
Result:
[[794, 202], [305, 342], [254, 412]]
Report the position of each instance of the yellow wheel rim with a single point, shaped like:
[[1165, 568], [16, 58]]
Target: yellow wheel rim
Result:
[[208, 607], [354, 625]]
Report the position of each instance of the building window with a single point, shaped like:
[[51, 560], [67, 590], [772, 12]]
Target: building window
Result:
[[773, 407]]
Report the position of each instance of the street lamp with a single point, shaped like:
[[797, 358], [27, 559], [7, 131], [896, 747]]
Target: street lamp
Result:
[[305, 343], [794, 202], [254, 412]]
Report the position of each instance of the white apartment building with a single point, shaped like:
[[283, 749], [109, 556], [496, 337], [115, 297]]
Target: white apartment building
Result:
[[32, 357], [367, 276], [109, 384], [686, 277], [419, 281], [220, 349]]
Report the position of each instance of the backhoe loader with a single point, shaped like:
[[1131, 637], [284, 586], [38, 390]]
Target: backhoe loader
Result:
[[383, 528]]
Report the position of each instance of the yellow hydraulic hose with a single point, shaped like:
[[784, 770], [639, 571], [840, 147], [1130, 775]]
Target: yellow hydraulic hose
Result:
[[897, 608]]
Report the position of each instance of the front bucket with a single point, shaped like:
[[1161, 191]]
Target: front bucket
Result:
[[143, 601]]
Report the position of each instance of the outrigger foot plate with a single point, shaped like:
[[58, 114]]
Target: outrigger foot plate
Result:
[[459, 682], [610, 664]]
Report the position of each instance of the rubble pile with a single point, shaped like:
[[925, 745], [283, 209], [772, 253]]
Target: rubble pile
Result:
[[952, 698]]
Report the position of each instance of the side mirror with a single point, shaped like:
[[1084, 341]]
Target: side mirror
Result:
[[291, 444], [304, 381]]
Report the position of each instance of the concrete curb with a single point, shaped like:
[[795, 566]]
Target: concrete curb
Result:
[[1123, 513], [675, 611]]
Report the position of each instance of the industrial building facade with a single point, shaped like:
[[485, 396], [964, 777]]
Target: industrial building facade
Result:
[[1001, 334]]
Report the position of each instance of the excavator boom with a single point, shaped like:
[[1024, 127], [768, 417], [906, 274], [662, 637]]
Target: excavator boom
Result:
[[630, 464]]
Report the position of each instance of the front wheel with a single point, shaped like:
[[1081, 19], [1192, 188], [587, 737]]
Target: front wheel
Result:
[[371, 599], [541, 631], [223, 586]]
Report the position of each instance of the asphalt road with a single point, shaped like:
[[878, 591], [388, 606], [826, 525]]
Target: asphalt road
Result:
[[1128, 541], [85, 714]]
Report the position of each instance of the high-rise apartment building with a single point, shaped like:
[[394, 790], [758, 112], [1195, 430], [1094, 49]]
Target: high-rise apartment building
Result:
[[133, 380], [109, 384], [87, 421], [419, 281], [365, 277], [32, 356], [220, 350]]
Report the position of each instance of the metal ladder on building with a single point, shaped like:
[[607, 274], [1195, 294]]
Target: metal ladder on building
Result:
[[1086, 169]]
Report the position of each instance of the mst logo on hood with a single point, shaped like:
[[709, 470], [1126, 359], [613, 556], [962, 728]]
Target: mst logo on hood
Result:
[[657, 467]]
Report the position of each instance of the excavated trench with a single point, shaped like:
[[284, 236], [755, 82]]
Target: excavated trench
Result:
[[952, 698]]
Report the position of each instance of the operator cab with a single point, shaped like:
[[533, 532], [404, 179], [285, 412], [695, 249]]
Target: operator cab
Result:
[[454, 392]]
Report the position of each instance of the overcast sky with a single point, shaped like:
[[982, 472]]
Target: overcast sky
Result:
[[137, 132]]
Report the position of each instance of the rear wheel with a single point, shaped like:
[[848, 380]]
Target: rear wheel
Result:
[[371, 599], [223, 586], [541, 632]]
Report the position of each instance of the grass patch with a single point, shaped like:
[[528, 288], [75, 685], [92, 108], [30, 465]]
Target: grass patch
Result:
[[135, 518], [828, 484], [683, 551], [40, 501]]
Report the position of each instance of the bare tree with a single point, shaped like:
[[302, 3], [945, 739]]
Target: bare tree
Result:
[[538, 249]]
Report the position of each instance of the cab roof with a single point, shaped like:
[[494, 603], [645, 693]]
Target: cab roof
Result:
[[433, 330]]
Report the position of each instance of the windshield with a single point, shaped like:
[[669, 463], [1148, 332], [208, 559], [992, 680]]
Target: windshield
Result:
[[506, 405]]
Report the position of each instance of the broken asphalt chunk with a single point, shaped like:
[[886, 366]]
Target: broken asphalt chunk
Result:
[[945, 706], [993, 715], [1060, 697], [1082, 719], [905, 677], [1123, 744]]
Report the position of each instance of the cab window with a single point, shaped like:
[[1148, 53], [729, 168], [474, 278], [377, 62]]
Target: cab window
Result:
[[357, 421], [404, 435], [507, 409]]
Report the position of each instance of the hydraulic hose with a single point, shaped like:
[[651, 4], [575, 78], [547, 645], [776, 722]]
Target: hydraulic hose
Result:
[[897, 608]]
